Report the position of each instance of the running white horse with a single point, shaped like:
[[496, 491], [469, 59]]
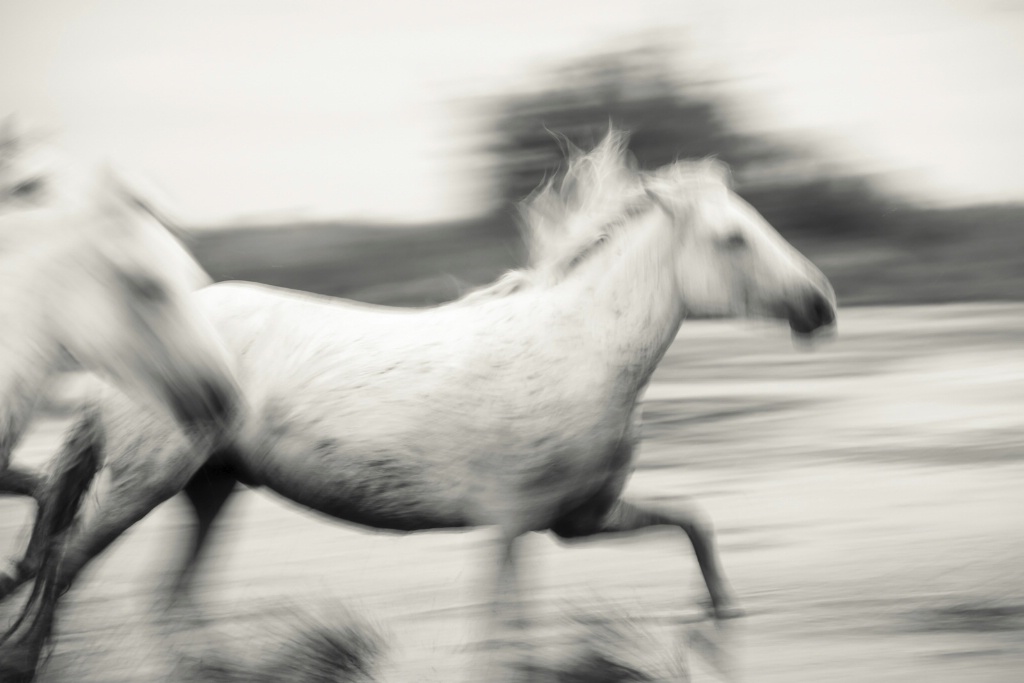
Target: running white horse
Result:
[[86, 269], [516, 407]]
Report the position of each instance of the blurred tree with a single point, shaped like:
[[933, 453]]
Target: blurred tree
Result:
[[670, 117]]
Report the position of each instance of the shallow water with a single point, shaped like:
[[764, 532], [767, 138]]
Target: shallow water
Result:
[[867, 496]]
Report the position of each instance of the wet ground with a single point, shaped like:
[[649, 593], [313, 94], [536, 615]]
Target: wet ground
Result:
[[868, 495]]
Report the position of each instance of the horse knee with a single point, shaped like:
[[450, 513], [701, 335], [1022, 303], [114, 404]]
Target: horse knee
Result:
[[11, 582], [19, 482], [694, 520]]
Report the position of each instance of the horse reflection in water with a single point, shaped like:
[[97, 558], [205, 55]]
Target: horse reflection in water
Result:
[[515, 407], [86, 269]]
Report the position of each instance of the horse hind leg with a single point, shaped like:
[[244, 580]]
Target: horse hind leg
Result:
[[207, 492]]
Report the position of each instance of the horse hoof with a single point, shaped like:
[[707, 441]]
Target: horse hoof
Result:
[[728, 611], [721, 610]]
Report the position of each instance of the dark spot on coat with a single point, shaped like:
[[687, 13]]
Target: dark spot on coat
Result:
[[326, 447]]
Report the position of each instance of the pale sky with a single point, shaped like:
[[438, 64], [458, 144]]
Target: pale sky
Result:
[[350, 110]]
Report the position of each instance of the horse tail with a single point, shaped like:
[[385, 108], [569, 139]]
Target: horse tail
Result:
[[60, 499]]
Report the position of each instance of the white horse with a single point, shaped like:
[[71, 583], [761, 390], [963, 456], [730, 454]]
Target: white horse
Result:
[[516, 407], [86, 269]]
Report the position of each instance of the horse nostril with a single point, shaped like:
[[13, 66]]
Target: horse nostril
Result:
[[812, 313], [822, 311]]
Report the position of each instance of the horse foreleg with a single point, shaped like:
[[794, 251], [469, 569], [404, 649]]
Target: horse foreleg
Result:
[[59, 497], [26, 568], [119, 499], [625, 516], [22, 482]]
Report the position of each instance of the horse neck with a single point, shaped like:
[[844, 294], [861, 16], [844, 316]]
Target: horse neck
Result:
[[635, 307], [29, 354]]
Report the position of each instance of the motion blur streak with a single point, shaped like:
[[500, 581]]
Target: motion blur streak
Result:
[[865, 496]]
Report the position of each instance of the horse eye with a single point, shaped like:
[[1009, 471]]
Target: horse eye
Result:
[[145, 288], [735, 241], [28, 187]]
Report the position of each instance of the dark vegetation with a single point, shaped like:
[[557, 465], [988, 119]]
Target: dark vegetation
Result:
[[877, 248], [306, 645], [297, 646]]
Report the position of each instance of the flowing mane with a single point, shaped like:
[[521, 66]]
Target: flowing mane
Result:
[[572, 215], [566, 216]]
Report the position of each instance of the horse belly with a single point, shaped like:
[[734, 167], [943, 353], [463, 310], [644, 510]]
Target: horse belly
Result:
[[366, 485]]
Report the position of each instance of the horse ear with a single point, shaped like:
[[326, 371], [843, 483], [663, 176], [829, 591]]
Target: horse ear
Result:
[[10, 141], [172, 226], [15, 140], [128, 197]]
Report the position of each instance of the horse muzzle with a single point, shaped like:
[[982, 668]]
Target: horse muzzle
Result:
[[810, 313]]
